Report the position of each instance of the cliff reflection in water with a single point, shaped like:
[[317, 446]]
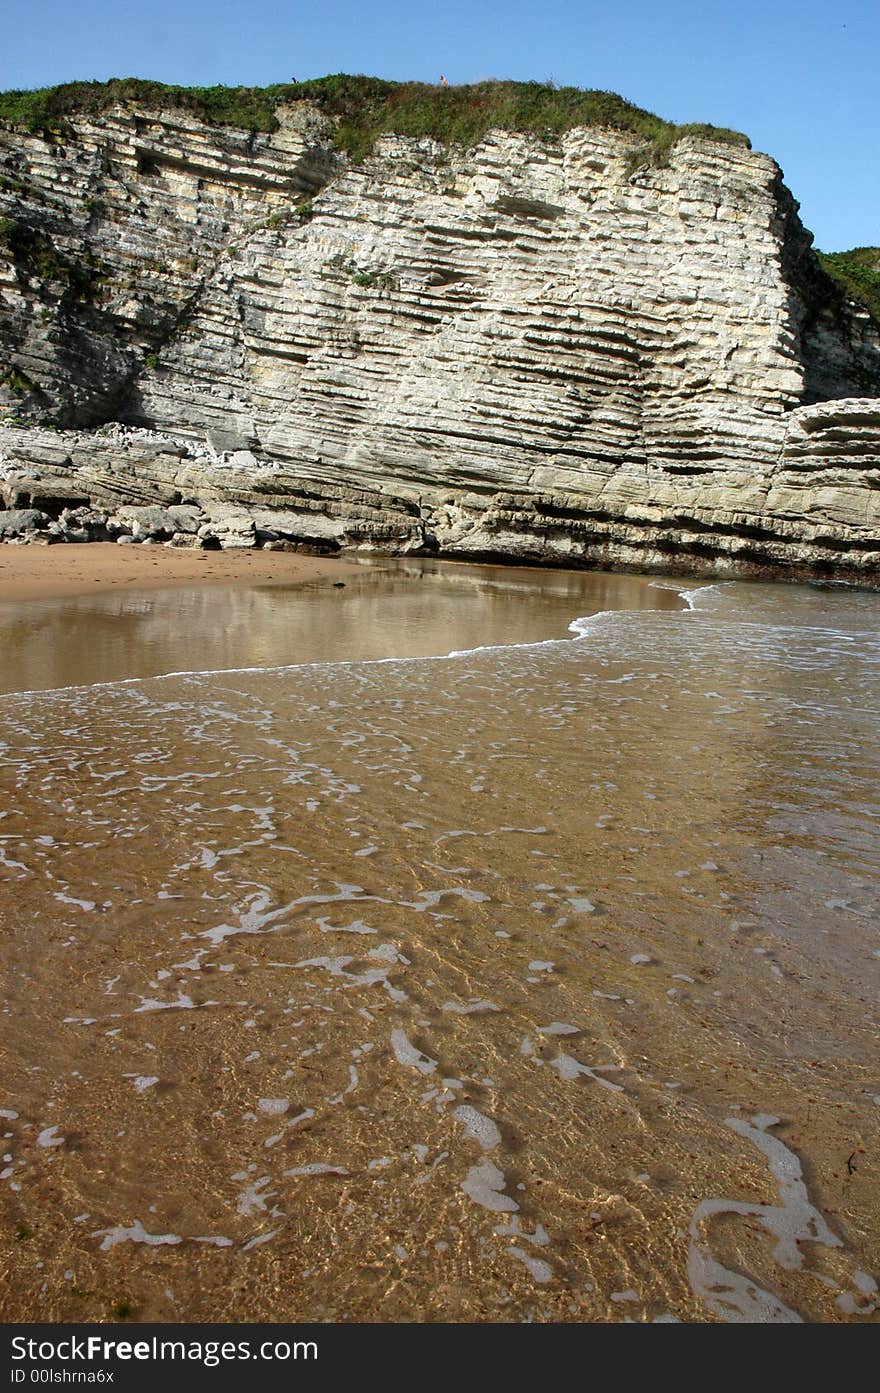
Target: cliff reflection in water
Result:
[[403, 609]]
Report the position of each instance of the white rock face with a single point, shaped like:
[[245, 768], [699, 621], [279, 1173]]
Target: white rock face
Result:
[[525, 350]]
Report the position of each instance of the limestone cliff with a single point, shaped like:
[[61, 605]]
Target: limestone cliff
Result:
[[537, 347]]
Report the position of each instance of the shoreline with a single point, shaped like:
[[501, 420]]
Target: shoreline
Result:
[[216, 886], [29, 572], [129, 612]]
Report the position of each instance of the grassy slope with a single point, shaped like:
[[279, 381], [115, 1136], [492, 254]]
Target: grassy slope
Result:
[[366, 107], [857, 272]]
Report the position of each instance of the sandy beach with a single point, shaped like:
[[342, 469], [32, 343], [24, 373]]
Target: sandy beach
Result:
[[53, 572], [301, 949], [299, 960], [137, 616]]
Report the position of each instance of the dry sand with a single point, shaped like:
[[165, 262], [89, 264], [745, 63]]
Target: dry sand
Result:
[[31, 572]]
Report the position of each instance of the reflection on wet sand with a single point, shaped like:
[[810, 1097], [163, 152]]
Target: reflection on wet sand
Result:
[[402, 609], [526, 984]]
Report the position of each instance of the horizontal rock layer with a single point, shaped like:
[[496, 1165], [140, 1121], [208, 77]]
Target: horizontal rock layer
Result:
[[812, 509], [528, 350]]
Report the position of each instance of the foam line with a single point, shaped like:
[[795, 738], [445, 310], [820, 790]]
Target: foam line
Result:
[[579, 628]]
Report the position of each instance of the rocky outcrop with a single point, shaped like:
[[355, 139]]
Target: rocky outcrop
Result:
[[811, 509], [533, 349]]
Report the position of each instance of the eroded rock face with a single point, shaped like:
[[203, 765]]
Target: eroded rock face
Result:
[[812, 507], [526, 350]]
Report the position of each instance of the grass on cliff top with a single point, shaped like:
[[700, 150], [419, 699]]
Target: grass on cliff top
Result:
[[857, 272], [367, 107]]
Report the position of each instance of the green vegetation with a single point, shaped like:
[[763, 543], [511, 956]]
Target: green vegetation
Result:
[[36, 254], [21, 385], [36, 257], [857, 273], [8, 184], [303, 212], [338, 262], [367, 107], [653, 154], [375, 279], [47, 108]]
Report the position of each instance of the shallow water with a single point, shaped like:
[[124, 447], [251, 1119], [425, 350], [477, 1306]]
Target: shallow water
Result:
[[401, 609], [534, 982]]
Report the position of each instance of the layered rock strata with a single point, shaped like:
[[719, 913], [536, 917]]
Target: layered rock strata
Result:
[[814, 509], [533, 350]]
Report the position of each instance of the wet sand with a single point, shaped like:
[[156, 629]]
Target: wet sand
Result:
[[534, 983], [236, 616], [32, 572]]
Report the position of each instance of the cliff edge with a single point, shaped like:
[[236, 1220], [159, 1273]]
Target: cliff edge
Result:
[[599, 345]]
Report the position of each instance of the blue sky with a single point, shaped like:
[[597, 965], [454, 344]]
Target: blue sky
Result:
[[799, 76]]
